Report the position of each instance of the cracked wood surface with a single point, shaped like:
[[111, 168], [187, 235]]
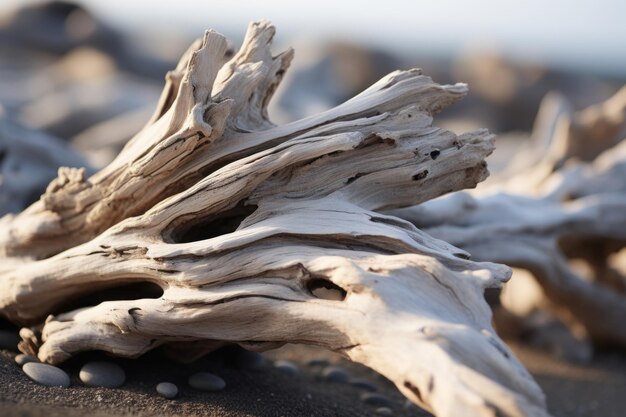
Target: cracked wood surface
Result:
[[262, 235], [561, 204]]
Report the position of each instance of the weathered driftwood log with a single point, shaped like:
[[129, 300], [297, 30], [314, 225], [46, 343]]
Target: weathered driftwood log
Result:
[[559, 213], [262, 235]]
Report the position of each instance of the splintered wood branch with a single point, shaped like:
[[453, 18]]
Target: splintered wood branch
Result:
[[262, 235], [559, 214]]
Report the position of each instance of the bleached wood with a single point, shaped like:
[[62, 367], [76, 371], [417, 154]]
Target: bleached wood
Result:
[[308, 195], [563, 198]]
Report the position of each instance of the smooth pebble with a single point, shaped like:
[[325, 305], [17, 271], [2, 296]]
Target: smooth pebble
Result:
[[384, 411], [102, 374], [205, 381], [287, 367], [363, 384], [335, 374], [46, 374], [376, 399], [167, 390], [9, 340], [22, 359]]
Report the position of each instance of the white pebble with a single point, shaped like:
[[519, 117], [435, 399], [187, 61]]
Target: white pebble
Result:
[[287, 367], [335, 374], [384, 411], [204, 381], [167, 390], [46, 374], [376, 399], [102, 374], [363, 384]]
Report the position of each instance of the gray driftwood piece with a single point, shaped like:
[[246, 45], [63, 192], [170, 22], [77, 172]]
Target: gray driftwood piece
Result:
[[558, 213], [262, 235]]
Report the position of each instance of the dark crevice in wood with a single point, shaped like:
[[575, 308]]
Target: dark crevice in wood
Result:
[[213, 226], [326, 289], [111, 291], [414, 390]]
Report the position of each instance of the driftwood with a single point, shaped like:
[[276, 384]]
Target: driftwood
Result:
[[262, 235], [559, 213]]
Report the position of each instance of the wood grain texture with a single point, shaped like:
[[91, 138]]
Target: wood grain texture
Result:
[[559, 212], [262, 235]]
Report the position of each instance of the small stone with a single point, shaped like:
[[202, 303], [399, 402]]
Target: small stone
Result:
[[22, 359], [204, 381], [384, 411], [335, 374], [48, 375], [167, 390], [287, 367], [376, 399], [9, 340], [102, 374], [363, 384], [318, 362]]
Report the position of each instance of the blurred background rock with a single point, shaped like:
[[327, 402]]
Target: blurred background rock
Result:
[[89, 72]]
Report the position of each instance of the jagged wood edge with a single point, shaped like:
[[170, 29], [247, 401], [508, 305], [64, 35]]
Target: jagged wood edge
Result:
[[308, 203]]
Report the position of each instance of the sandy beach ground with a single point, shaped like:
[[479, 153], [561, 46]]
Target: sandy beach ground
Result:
[[598, 389]]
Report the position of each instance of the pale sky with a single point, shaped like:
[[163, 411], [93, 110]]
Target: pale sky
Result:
[[589, 34]]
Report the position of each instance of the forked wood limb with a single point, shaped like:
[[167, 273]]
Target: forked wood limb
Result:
[[262, 235]]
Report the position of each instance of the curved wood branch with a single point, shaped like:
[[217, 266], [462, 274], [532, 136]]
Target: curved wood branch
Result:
[[263, 235], [570, 203]]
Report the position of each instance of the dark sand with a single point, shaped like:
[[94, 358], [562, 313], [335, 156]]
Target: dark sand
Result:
[[598, 389]]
